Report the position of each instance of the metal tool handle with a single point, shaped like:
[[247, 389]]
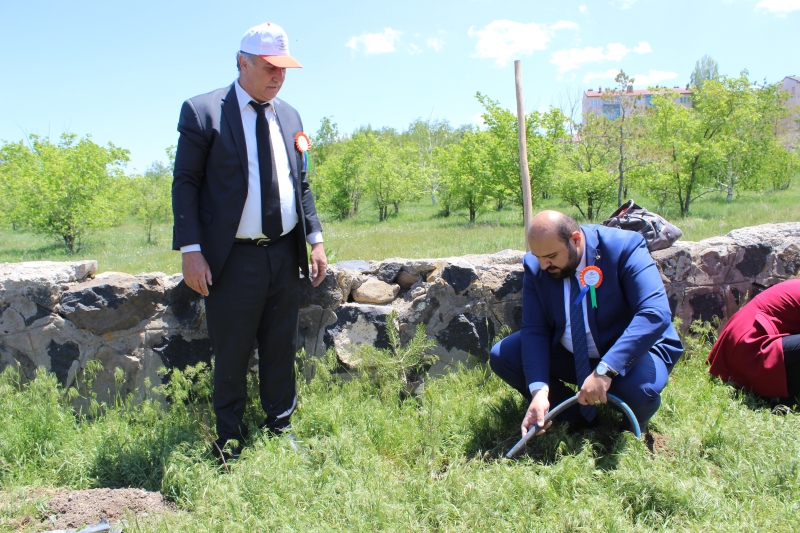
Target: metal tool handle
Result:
[[566, 405]]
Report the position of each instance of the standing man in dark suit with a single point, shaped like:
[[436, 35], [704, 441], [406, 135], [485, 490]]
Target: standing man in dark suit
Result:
[[243, 215], [626, 345]]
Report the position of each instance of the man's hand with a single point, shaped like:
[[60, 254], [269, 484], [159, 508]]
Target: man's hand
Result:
[[196, 273], [540, 406], [319, 264], [593, 390]]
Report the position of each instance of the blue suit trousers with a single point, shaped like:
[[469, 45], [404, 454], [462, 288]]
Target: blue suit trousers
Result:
[[640, 388]]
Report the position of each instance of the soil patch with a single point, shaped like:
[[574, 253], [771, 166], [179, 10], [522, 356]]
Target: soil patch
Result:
[[657, 443], [76, 508]]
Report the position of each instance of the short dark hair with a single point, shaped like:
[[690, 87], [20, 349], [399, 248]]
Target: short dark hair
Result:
[[565, 227]]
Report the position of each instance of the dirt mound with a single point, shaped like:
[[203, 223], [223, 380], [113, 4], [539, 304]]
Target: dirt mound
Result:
[[76, 508]]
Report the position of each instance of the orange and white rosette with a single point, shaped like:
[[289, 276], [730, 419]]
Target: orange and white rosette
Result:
[[303, 145], [591, 278]]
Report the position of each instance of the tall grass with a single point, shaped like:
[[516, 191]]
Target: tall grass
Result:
[[371, 461], [417, 231]]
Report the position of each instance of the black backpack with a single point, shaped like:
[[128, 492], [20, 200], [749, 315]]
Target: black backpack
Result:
[[657, 232]]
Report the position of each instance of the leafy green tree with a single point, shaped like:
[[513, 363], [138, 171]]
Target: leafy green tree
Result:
[[340, 180], [546, 132], [584, 179], [323, 143], [426, 136], [64, 190], [625, 131], [748, 134], [392, 173], [152, 197], [468, 173], [704, 69]]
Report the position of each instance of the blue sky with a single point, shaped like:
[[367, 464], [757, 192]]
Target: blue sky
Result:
[[119, 71]]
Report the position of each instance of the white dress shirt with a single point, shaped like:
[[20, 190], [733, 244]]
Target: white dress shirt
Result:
[[250, 222]]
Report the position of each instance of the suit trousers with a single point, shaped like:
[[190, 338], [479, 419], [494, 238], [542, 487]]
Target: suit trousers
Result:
[[254, 299], [640, 388]]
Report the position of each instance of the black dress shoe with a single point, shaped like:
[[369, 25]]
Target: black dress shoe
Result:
[[225, 452]]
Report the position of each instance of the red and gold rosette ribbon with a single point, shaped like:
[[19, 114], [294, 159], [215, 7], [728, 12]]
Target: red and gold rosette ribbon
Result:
[[591, 278]]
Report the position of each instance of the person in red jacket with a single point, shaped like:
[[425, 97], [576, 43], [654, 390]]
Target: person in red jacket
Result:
[[759, 347]]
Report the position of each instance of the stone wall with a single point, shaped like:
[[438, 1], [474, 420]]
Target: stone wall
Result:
[[60, 315]]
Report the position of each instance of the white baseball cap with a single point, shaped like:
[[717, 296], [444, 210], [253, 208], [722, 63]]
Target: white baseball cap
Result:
[[269, 41]]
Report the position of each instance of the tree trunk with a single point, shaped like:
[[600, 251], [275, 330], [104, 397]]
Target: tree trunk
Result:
[[69, 242], [590, 209], [472, 214], [433, 200]]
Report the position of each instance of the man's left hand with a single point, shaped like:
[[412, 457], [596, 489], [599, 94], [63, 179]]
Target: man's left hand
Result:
[[593, 390], [319, 264]]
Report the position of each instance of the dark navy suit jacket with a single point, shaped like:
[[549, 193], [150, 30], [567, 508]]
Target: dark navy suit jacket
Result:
[[211, 174], [632, 315]]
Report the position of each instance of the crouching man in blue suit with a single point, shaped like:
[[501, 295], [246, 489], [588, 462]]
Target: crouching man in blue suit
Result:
[[625, 346]]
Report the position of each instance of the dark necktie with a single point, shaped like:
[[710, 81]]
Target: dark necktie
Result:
[[580, 349], [271, 221]]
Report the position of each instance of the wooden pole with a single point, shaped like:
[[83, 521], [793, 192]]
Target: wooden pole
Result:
[[527, 202]]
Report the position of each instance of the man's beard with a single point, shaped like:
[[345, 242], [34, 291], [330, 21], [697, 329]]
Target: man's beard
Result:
[[572, 264]]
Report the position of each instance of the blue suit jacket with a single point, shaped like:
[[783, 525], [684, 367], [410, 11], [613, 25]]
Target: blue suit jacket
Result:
[[632, 315], [211, 176]]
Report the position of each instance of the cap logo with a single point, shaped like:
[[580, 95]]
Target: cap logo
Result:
[[281, 41]]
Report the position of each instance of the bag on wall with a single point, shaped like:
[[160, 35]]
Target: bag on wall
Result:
[[657, 232]]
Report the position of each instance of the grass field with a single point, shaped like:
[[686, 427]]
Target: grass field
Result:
[[719, 460], [722, 461], [418, 231]]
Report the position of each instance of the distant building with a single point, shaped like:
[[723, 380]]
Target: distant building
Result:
[[791, 84], [598, 103]]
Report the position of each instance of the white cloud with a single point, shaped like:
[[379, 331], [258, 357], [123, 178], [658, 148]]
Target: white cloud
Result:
[[375, 43], [573, 58], [583, 9], [436, 43], [653, 77], [779, 7], [607, 75], [506, 40], [564, 25], [623, 4], [413, 49]]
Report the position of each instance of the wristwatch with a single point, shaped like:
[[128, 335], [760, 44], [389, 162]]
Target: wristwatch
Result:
[[605, 370]]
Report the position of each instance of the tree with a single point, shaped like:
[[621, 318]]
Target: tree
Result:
[[391, 174], [340, 181], [65, 189], [324, 142], [585, 181], [625, 130], [748, 134], [152, 197], [705, 69], [468, 173], [545, 131], [426, 136]]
